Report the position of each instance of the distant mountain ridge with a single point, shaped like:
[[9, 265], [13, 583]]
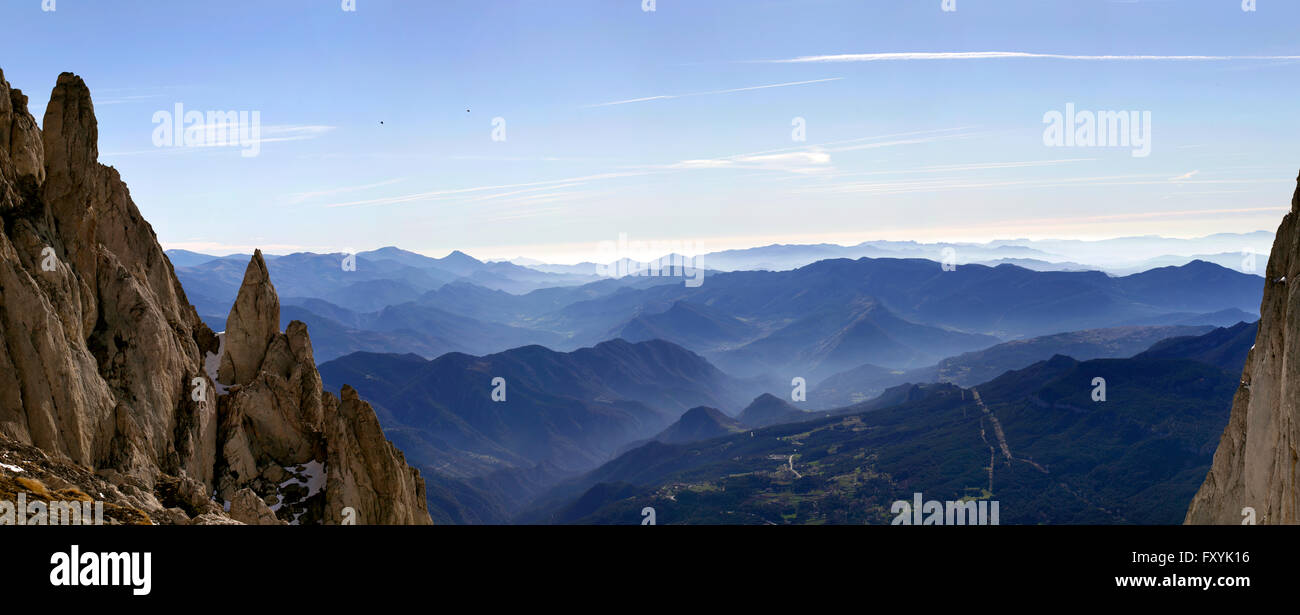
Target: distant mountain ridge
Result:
[[564, 412], [970, 368], [700, 423], [1118, 256]]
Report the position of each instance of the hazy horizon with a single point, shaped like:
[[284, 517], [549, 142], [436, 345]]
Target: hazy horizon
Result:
[[590, 255]]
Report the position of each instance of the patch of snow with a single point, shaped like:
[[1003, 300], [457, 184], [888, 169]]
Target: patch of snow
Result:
[[212, 363], [14, 469], [314, 472]]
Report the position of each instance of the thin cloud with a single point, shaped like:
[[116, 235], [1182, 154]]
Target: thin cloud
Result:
[[943, 185], [1188, 175], [811, 160], [1003, 55], [300, 197], [711, 92], [806, 159], [213, 133], [438, 195]]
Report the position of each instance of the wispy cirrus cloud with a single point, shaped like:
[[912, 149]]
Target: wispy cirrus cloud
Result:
[[711, 92], [946, 184], [808, 159], [219, 136], [462, 193], [1005, 55], [300, 197], [801, 159], [811, 160]]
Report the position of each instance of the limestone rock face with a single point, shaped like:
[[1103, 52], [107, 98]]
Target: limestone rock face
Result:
[[364, 466], [1256, 463], [100, 349], [103, 360]]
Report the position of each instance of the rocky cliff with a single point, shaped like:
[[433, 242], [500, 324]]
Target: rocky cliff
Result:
[[1256, 463], [107, 371]]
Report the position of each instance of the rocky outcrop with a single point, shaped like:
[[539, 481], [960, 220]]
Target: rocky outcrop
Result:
[[288, 441], [249, 509], [365, 471], [102, 358], [100, 347], [1256, 464]]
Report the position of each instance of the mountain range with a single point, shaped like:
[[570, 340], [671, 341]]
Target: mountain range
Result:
[[1119, 256], [970, 368], [1037, 440]]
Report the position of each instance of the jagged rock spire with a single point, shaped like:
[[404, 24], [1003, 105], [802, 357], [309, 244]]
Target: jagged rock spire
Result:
[[253, 322]]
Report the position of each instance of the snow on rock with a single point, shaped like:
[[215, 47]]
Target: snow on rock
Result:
[[212, 362], [310, 475]]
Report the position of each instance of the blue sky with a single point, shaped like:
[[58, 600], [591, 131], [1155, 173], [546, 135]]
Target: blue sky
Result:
[[928, 145]]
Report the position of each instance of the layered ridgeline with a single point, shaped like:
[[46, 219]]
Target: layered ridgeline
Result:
[[1255, 466], [108, 378], [1034, 439], [489, 432]]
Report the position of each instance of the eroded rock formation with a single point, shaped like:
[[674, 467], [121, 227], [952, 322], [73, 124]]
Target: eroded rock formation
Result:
[[295, 445]]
